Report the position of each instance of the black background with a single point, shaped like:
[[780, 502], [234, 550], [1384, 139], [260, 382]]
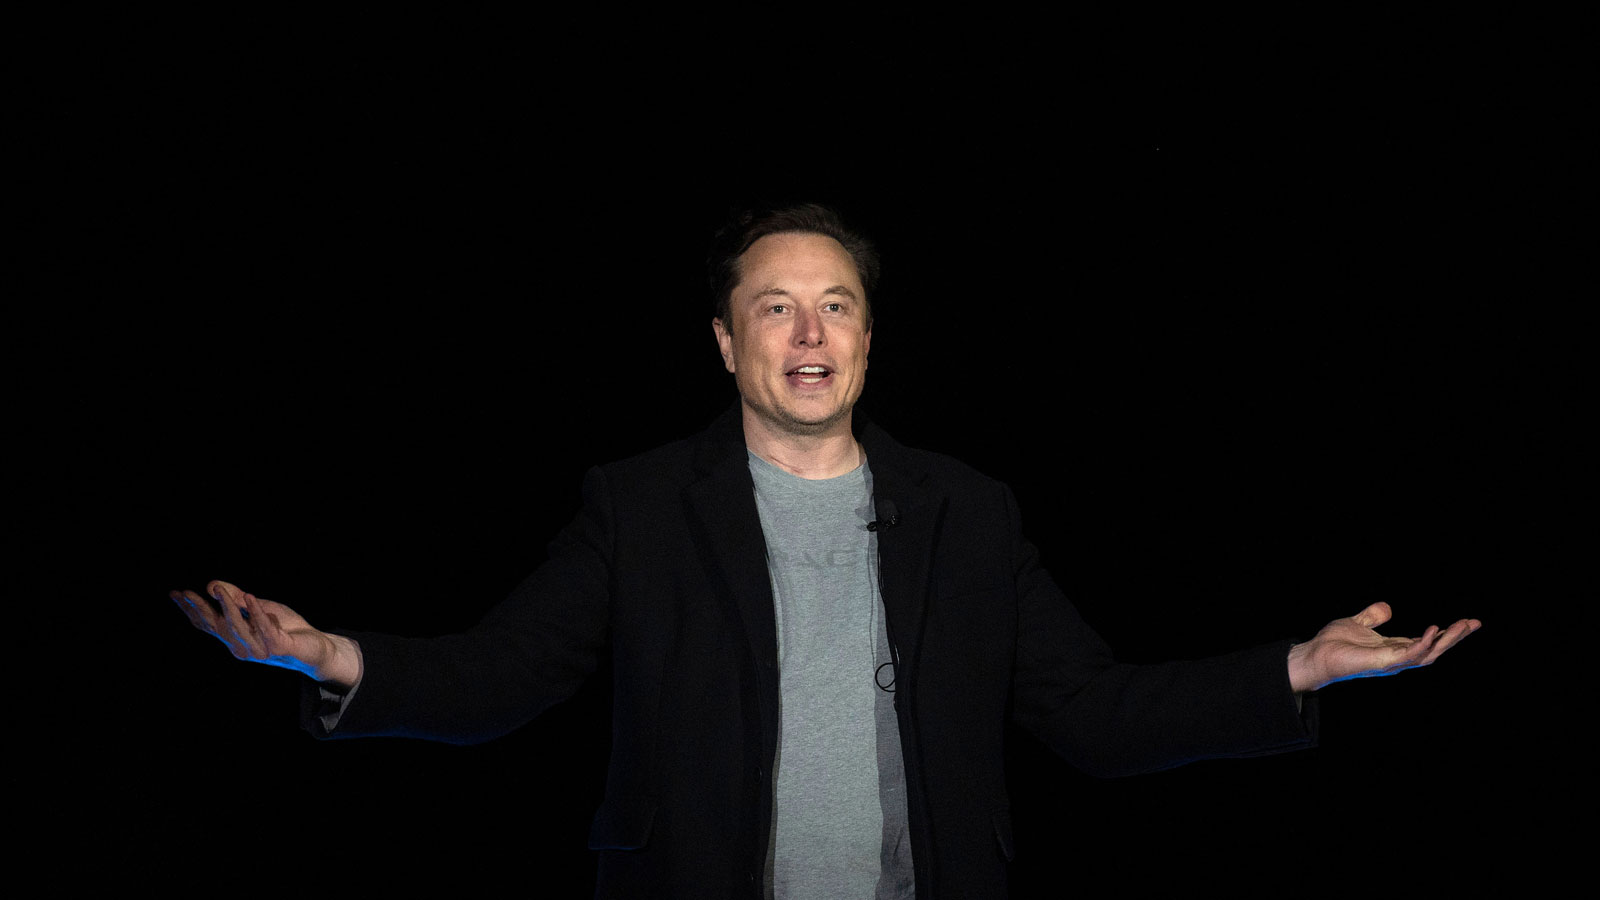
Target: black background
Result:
[[1257, 338]]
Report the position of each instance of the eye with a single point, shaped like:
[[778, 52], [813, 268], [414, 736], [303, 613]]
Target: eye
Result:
[[834, 307], [779, 308]]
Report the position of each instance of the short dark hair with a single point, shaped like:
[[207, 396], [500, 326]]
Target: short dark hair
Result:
[[747, 226]]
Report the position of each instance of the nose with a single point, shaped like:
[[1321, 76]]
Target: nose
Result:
[[808, 329]]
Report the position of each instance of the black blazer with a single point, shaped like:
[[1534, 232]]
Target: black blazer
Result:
[[666, 564]]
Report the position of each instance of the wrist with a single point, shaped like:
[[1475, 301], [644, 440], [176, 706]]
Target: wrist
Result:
[[343, 667], [1302, 673]]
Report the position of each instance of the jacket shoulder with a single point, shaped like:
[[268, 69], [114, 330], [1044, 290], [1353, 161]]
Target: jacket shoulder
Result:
[[950, 470], [670, 462], [928, 468], [666, 470]]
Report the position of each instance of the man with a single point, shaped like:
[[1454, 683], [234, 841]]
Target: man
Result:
[[817, 633]]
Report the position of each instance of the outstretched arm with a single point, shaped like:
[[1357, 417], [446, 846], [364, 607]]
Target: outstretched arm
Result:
[[262, 631], [1350, 648]]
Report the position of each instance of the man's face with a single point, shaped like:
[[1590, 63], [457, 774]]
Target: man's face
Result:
[[799, 341]]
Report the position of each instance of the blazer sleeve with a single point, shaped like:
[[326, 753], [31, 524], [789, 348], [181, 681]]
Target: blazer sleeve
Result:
[[529, 652], [1110, 718]]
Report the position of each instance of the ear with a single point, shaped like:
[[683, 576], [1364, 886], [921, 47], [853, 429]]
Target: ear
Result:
[[724, 343], [866, 342]]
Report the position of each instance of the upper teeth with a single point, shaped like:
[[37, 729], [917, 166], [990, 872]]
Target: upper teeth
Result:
[[811, 370]]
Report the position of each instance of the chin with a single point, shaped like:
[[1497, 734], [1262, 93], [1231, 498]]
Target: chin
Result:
[[811, 426]]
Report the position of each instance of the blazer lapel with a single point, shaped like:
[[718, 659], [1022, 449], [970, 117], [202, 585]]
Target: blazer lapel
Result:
[[723, 507], [905, 550]]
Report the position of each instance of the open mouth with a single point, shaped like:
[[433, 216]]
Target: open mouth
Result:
[[809, 374]]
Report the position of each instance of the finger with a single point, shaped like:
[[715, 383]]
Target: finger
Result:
[[206, 618], [221, 590], [227, 599], [1374, 615], [1450, 638], [201, 608], [269, 635], [233, 610], [1417, 653], [199, 615]]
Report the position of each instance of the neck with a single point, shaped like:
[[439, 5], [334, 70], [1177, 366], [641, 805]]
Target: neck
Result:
[[815, 456]]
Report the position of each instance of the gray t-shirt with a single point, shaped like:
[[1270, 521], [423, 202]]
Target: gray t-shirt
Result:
[[839, 822]]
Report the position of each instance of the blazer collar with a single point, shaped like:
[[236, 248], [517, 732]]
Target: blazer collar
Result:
[[721, 446]]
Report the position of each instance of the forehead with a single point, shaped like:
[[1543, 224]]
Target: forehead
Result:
[[797, 263]]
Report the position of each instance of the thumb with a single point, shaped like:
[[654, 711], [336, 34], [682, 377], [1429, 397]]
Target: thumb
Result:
[[1374, 615]]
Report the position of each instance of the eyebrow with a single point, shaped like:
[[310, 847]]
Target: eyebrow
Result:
[[837, 290]]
